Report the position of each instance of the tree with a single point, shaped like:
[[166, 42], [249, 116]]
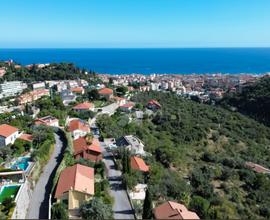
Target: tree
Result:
[[59, 211], [93, 94], [96, 209], [89, 138], [147, 205], [200, 205], [121, 91]]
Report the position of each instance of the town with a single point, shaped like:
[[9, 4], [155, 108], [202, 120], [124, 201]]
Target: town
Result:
[[57, 159]]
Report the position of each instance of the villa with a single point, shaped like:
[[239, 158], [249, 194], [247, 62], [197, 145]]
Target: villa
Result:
[[106, 93], [153, 105], [67, 97], [127, 107], [85, 106], [138, 164], [88, 151], [78, 128], [173, 210], [78, 90], [8, 134], [75, 186], [132, 143], [47, 121]]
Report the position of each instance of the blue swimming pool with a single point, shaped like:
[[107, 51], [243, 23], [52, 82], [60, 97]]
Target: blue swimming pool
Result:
[[21, 164]]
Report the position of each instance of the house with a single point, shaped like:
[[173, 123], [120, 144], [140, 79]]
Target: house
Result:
[[75, 186], [78, 128], [127, 107], [87, 151], [26, 137], [85, 106], [153, 105], [8, 134], [137, 163], [67, 97], [33, 96], [120, 100], [173, 210], [106, 93], [138, 192], [132, 143], [47, 121], [78, 90]]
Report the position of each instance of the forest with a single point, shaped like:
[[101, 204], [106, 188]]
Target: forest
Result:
[[252, 100], [199, 154]]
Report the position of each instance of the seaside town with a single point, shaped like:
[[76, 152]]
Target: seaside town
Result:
[[59, 161]]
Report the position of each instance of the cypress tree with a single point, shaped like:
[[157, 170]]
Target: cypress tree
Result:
[[147, 205]]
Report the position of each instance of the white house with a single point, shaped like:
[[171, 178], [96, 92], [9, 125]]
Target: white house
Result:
[[8, 134], [78, 128], [132, 143]]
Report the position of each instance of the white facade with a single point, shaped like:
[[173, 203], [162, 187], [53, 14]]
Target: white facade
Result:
[[4, 141], [78, 133], [12, 88], [40, 85]]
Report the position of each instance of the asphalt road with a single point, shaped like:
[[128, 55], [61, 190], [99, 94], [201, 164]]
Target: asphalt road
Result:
[[39, 204], [121, 208]]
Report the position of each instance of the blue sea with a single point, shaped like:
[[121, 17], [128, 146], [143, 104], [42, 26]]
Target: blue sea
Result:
[[147, 61]]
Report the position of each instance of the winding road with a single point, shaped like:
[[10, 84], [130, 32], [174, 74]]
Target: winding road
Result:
[[39, 204]]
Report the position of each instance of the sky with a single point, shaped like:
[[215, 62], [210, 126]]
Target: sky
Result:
[[134, 23]]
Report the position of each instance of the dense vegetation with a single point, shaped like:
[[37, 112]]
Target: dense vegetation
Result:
[[205, 146], [60, 71], [253, 100]]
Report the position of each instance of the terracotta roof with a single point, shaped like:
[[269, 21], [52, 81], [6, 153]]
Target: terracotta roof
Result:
[[128, 105], [154, 102], [117, 98], [45, 120], [138, 163], [105, 91], [78, 124], [80, 145], [26, 137], [78, 177], [77, 89], [173, 210], [84, 105], [7, 130]]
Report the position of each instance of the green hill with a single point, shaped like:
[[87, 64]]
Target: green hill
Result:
[[199, 154], [253, 100]]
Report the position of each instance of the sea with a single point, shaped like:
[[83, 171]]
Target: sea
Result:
[[150, 61]]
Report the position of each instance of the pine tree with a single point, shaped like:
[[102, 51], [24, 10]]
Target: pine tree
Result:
[[147, 205]]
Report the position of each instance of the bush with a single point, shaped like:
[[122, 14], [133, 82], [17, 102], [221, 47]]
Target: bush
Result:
[[59, 211]]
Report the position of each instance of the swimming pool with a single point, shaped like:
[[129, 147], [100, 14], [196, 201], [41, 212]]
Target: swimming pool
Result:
[[8, 191], [21, 164]]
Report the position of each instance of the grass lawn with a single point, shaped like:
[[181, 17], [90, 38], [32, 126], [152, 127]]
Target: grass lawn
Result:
[[8, 191]]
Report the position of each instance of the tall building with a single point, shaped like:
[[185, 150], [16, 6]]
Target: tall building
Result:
[[12, 88]]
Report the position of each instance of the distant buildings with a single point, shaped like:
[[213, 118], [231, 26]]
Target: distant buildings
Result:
[[33, 96], [11, 88], [173, 210], [8, 134]]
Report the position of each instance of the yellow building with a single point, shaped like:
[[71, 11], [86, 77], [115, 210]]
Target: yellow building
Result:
[[75, 186]]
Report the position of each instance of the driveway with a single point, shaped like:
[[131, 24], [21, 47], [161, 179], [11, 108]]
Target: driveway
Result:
[[122, 208], [39, 204]]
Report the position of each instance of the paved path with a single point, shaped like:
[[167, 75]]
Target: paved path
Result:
[[121, 208], [39, 204]]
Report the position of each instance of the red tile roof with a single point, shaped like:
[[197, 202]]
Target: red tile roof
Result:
[[138, 164], [7, 130], [78, 177], [80, 145], [105, 91], [83, 106], [128, 105], [154, 102], [77, 89], [26, 137], [173, 210], [78, 124]]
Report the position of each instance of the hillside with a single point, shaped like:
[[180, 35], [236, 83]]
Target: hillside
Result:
[[205, 146], [253, 100], [60, 71]]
